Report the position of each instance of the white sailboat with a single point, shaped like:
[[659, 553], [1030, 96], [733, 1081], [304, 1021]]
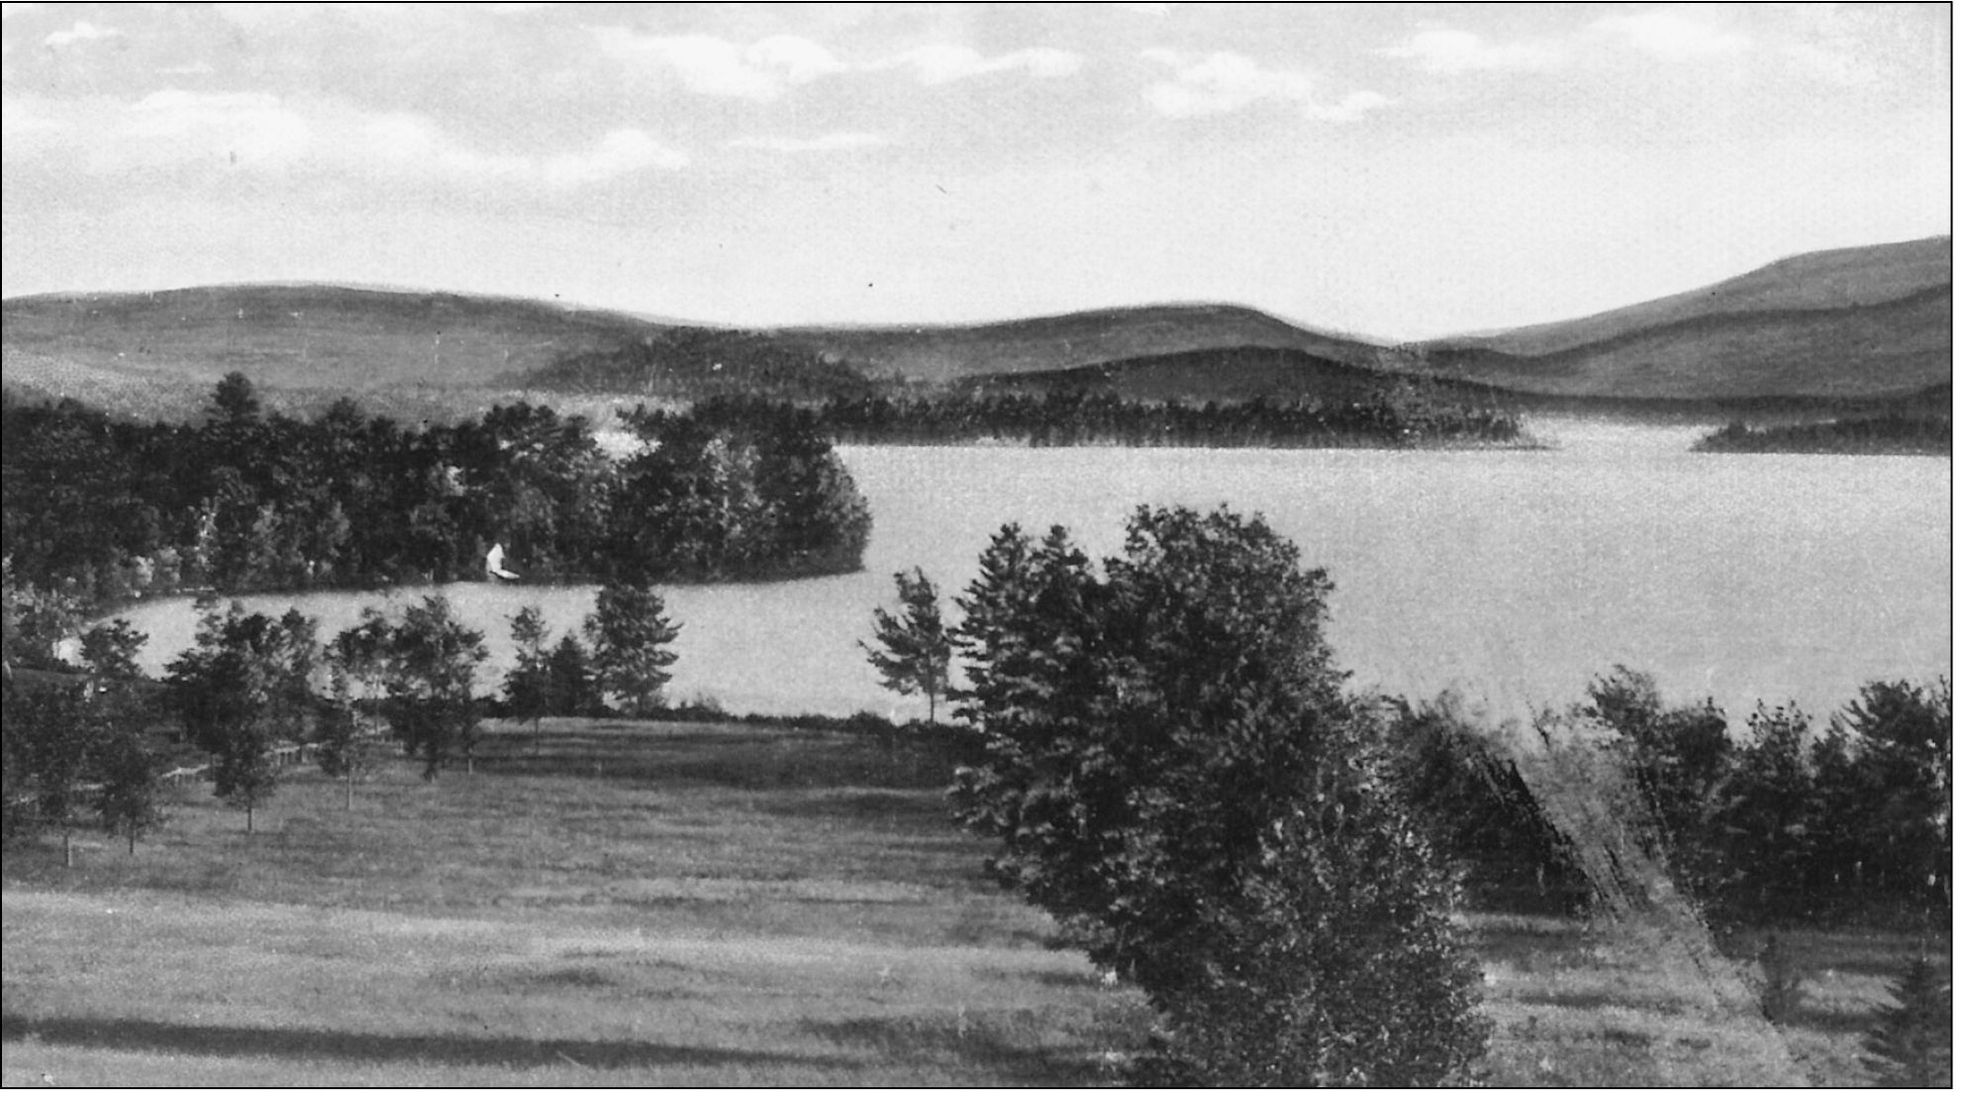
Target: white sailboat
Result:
[[495, 564]]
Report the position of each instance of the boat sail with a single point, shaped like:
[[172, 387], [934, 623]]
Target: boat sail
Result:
[[495, 564]]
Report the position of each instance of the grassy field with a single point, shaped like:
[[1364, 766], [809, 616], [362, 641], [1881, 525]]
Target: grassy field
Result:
[[715, 905]]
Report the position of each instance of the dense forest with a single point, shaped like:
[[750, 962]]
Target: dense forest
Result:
[[1887, 433], [1396, 418], [109, 510]]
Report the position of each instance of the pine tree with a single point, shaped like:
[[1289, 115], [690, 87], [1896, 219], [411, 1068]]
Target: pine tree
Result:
[[1911, 1045], [914, 656], [631, 639], [527, 682]]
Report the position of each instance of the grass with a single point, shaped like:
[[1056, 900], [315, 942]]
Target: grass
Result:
[[710, 904]]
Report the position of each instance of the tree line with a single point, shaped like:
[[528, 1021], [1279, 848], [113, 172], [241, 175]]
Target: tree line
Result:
[[1885, 433], [246, 501], [253, 685], [1397, 418]]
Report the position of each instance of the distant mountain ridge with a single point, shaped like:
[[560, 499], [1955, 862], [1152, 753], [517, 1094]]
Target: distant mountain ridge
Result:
[[1863, 324]]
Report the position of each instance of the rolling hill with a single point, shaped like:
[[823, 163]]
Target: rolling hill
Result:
[[943, 354], [162, 351], [1868, 325]]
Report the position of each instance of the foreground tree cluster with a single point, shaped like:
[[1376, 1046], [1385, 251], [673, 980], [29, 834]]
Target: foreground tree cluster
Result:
[[108, 510], [1777, 820], [1173, 770], [256, 691]]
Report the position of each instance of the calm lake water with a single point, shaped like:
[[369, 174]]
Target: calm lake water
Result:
[[1513, 577]]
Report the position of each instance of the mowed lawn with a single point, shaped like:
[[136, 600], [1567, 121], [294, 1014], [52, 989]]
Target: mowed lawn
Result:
[[713, 905]]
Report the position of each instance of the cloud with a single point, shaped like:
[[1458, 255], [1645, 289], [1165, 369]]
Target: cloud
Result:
[[250, 128], [1352, 107], [715, 67], [619, 153], [1671, 35], [1224, 82], [1219, 83], [1437, 48], [83, 31], [825, 143], [411, 146], [944, 63], [260, 133]]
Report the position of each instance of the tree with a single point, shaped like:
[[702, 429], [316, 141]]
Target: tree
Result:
[[631, 639], [1174, 773], [244, 689], [1899, 746], [915, 647], [53, 736], [527, 686], [110, 651], [234, 399], [571, 680], [431, 662], [130, 798], [1913, 1042], [1682, 759], [340, 750]]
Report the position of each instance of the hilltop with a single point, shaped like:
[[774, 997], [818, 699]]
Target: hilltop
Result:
[[1863, 323]]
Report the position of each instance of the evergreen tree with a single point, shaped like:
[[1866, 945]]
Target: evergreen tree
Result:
[[631, 639], [571, 680], [915, 652], [1173, 772], [527, 686], [1912, 1045]]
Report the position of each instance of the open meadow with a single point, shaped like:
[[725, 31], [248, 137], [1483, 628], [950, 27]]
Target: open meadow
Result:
[[634, 903]]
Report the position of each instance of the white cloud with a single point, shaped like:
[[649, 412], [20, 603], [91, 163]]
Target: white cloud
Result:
[[1352, 107], [1219, 83], [1671, 34], [944, 63], [1224, 82], [249, 128], [825, 143], [1437, 48], [619, 153], [9, 10], [83, 31], [263, 134], [714, 67]]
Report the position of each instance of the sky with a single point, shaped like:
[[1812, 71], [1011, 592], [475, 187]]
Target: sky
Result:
[[1393, 170]]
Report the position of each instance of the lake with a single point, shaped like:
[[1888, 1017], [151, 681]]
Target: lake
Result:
[[1513, 577]]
